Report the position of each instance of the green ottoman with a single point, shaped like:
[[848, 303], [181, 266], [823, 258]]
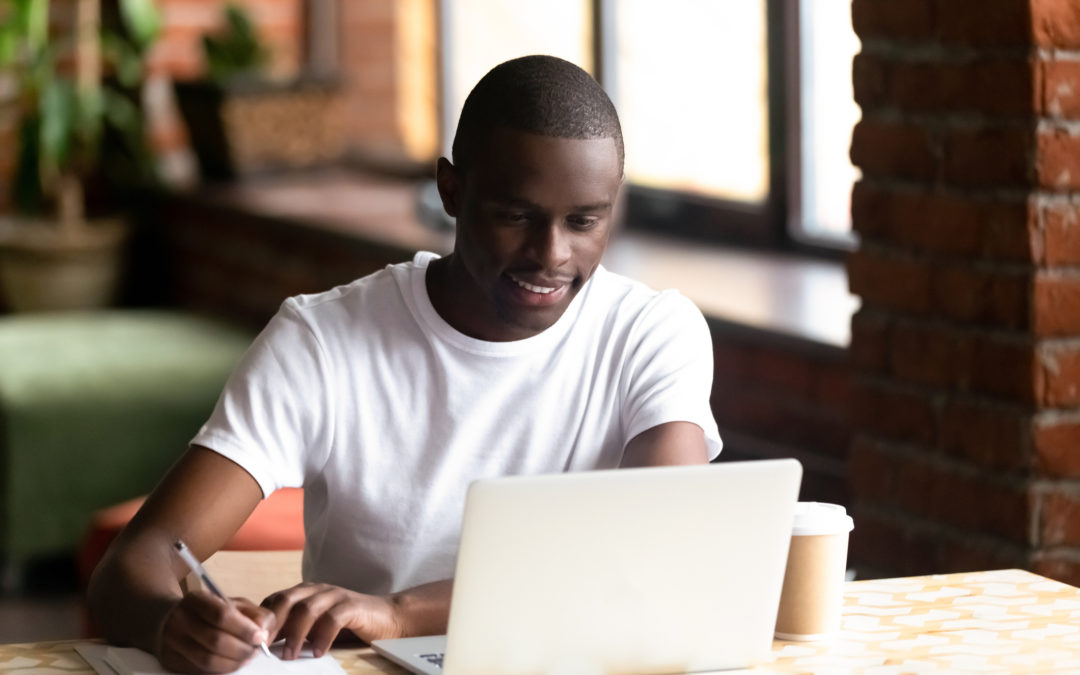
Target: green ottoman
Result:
[[94, 408]]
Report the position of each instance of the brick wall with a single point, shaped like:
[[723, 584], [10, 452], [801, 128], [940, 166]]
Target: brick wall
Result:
[[966, 388], [776, 396]]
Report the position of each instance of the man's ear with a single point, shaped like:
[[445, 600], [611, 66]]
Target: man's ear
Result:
[[447, 180]]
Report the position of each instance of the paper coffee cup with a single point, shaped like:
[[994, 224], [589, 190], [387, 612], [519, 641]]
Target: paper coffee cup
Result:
[[813, 591]]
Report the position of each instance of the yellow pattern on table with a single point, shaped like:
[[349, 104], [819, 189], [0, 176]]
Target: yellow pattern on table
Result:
[[999, 621]]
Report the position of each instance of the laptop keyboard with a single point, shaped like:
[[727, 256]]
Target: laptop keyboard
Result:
[[433, 659]]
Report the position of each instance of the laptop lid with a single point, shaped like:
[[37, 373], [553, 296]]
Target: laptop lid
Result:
[[668, 569]]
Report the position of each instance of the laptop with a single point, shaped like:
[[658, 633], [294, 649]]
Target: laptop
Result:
[[653, 570]]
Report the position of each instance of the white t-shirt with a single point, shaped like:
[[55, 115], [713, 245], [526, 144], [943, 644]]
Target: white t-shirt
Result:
[[383, 413]]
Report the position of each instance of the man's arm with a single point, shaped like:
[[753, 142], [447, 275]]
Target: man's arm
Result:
[[666, 444], [135, 592]]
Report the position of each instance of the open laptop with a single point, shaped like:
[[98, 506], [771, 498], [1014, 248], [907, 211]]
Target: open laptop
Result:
[[656, 570]]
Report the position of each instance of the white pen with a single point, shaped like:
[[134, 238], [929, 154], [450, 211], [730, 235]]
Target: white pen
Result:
[[196, 567]]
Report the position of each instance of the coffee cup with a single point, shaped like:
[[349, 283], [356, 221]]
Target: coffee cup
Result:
[[813, 591]]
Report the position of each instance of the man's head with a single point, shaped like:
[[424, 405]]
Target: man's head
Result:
[[538, 94], [538, 162]]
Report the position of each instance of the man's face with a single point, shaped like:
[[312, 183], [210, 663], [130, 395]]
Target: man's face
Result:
[[533, 217]]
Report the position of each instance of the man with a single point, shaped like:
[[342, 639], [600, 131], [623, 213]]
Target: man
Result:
[[384, 398]]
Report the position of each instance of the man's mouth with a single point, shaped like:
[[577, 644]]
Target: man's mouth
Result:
[[538, 292], [543, 290]]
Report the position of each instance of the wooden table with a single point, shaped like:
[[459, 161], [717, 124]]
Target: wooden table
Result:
[[1000, 621]]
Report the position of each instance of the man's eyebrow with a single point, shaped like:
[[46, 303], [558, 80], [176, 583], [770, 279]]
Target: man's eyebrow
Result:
[[526, 204]]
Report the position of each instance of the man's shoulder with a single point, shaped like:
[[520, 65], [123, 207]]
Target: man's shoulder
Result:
[[372, 293]]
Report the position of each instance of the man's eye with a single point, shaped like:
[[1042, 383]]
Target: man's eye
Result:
[[582, 222], [514, 217]]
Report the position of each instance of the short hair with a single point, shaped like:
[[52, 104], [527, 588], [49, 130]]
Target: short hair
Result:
[[538, 94]]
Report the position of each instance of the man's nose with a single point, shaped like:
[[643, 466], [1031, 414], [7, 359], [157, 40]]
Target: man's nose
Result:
[[550, 244]]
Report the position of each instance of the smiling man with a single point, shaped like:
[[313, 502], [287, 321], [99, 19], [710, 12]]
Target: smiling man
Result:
[[516, 354]]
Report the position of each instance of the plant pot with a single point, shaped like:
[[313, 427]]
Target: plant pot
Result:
[[249, 127], [44, 267]]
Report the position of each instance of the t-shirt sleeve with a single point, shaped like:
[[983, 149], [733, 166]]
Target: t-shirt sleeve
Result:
[[669, 370], [272, 417]]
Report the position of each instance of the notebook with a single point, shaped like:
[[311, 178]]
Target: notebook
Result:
[[654, 570], [109, 660]]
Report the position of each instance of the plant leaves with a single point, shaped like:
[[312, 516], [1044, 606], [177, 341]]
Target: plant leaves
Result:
[[142, 20], [57, 122]]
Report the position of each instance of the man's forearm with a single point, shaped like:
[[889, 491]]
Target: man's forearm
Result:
[[425, 609], [130, 594]]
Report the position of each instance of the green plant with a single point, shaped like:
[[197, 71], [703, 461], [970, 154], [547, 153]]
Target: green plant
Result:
[[63, 105], [237, 51]]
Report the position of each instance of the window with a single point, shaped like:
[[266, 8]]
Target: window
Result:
[[737, 114]]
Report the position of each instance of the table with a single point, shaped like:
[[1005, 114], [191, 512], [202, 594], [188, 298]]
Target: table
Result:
[[996, 621]]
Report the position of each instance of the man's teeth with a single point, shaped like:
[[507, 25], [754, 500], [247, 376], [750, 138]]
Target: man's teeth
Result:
[[543, 290]]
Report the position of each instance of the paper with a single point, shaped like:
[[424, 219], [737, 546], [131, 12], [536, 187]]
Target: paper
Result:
[[106, 660]]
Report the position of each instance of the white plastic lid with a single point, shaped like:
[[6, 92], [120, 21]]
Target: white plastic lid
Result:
[[812, 518]]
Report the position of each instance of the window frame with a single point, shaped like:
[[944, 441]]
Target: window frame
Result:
[[772, 224]]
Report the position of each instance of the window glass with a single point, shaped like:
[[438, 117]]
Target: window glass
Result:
[[689, 79], [479, 34], [828, 112]]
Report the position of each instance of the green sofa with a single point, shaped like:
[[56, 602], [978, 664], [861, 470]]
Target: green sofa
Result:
[[94, 408]]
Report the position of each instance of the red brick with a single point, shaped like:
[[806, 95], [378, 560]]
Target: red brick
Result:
[[1060, 88], [983, 296], [870, 81], [1061, 224], [831, 389], [1056, 23], [870, 210], [1063, 566], [894, 412], [889, 546], [729, 362], [1059, 521], [1057, 163], [1057, 447], [782, 372], [1058, 378], [974, 501], [989, 157], [894, 150], [997, 86], [999, 367], [760, 414], [923, 354], [934, 222], [917, 86], [870, 339], [890, 281], [984, 23], [992, 436], [911, 20], [1057, 305], [1011, 231], [872, 473], [892, 545]]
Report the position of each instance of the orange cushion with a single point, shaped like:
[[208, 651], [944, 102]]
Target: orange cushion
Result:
[[276, 524]]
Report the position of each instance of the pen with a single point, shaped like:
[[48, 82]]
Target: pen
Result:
[[196, 567]]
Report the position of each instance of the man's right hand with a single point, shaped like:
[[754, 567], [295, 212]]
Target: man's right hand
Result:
[[204, 634]]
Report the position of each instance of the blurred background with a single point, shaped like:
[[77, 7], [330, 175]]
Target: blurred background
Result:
[[171, 170]]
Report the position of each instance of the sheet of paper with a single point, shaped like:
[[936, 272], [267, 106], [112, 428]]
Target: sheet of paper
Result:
[[106, 660]]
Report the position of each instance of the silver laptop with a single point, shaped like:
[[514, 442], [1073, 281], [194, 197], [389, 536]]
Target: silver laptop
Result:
[[657, 570]]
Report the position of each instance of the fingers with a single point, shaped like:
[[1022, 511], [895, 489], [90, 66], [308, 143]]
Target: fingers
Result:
[[297, 611], [317, 613], [205, 634]]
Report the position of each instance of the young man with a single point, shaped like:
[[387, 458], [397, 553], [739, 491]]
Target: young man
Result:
[[384, 398]]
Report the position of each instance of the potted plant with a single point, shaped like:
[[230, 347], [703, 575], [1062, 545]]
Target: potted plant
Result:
[[242, 122], [51, 255]]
